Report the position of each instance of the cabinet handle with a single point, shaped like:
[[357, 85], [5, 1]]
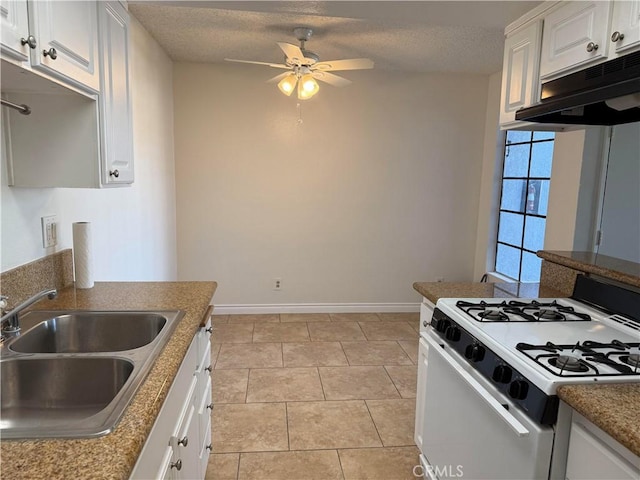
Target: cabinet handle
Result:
[[208, 369], [184, 442], [114, 173], [210, 447], [209, 330], [177, 465], [210, 406], [30, 40], [592, 47], [617, 36], [51, 53]]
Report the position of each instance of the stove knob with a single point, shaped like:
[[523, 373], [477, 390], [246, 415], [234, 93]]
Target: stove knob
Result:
[[518, 389], [452, 334], [502, 374], [442, 324], [475, 352]]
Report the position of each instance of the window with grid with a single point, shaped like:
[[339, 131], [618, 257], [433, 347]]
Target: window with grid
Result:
[[526, 176]]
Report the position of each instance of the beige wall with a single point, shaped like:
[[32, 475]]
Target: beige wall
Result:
[[490, 182], [134, 227], [568, 151], [376, 189]]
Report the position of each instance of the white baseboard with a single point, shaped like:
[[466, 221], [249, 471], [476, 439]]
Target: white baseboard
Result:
[[317, 308]]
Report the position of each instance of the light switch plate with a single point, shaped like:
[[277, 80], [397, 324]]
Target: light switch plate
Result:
[[49, 231]]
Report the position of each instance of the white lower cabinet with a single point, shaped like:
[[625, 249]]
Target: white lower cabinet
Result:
[[179, 444], [426, 312], [423, 350], [594, 455]]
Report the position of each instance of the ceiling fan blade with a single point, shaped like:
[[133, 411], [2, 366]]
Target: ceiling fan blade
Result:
[[293, 52], [331, 79], [277, 78], [350, 64], [274, 65]]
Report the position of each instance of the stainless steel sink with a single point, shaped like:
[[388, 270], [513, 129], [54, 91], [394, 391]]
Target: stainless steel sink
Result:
[[83, 387], [72, 374], [91, 332]]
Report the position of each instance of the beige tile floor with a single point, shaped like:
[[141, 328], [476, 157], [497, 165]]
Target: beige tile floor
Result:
[[314, 396]]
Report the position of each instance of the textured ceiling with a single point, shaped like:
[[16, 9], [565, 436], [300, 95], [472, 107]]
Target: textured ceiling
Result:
[[454, 36]]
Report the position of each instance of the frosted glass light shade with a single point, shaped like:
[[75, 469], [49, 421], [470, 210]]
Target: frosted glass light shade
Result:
[[307, 87], [288, 84]]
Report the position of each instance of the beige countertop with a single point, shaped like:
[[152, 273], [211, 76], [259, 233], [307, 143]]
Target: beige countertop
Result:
[[615, 408], [603, 265], [114, 455], [435, 290]]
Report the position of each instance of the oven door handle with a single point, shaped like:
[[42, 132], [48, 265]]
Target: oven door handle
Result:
[[509, 419]]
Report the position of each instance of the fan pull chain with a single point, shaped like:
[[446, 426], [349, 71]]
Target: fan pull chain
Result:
[[299, 121]]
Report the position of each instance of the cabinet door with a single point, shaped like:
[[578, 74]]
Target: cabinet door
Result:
[[116, 118], [14, 26], [167, 468], [423, 350], [590, 459], [205, 452], [66, 30], [520, 71], [185, 439], [626, 22], [574, 35]]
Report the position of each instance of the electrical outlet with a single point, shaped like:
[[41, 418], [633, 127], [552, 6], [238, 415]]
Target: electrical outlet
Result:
[[277, 284], [49, 231], [439, 279]]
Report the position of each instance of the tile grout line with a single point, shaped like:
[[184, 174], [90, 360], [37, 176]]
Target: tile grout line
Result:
[[238, 468], [374, 422], [391, 378], [324, 395], [286, 414]]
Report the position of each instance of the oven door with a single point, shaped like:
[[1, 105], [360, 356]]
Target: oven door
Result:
[[469, 433]]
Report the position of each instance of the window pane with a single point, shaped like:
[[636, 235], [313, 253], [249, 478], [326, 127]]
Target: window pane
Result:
[[534, 233], [541, 156], [513, 195], [544, 135], [531, 265], [510, 229], [542, 194], [515, 136], [508, 261], [516, 160]]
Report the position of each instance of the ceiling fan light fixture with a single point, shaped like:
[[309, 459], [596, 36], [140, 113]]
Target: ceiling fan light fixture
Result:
[[288, 84], [307, 87]]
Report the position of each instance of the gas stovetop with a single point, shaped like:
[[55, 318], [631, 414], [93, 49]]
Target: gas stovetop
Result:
[[551, 342], [521, 311]]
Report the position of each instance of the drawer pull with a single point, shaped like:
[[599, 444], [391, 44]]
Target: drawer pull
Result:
[[617, 36], [177, 465], [208, 369], [209, 330], [210, 447], [210, 406], [114, 173], [184, 442], [592, 47], [30, 40], [51, 53]]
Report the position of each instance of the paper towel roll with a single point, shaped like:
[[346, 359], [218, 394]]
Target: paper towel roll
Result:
[[83, 254]]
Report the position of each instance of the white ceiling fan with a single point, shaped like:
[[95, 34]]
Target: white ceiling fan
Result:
[[304, 67]]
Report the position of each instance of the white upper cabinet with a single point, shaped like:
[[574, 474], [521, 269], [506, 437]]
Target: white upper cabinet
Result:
[[56, 38], [67, 36], [574, 35], [520, 71], [625, 27], [115, 112], [14, 30]]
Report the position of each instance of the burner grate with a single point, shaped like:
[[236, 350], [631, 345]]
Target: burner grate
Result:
[[517, 311], [616, 358]]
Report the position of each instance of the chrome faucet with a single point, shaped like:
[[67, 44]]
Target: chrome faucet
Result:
[[12, 317]]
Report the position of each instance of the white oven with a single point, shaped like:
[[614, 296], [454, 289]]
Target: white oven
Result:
[[489, 370], [468, 432]]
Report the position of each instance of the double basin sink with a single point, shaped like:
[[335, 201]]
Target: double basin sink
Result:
[[72, 374]]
